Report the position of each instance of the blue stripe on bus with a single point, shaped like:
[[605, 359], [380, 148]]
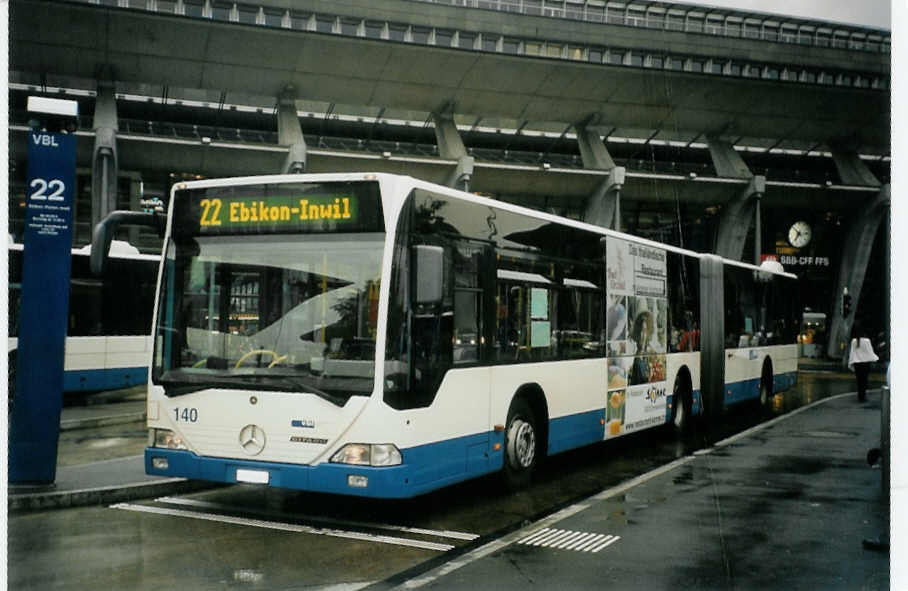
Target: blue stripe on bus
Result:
[[425, 468], [575, 430], [104, 379], [737, 392]]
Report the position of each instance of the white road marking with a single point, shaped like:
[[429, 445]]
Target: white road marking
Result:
[[569, 540], [585, 546], [456, 535], [605, 544], [534, 536], [291, 527]]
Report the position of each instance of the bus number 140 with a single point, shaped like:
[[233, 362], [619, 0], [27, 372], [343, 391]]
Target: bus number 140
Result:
[[186, 415]]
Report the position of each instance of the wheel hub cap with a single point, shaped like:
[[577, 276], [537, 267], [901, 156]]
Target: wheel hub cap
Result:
[[522, 444]]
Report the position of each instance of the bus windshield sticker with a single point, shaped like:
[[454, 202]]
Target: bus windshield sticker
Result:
[[637, 336]]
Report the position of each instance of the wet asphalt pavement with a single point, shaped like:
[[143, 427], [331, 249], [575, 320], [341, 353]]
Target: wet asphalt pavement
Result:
[[784, 507]]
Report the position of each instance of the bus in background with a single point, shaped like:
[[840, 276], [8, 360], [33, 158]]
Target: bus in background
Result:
[[376, 335], [813, 334], [108, 342]]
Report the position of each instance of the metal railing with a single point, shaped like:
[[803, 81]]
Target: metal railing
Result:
[[738, 29], [562, 159]]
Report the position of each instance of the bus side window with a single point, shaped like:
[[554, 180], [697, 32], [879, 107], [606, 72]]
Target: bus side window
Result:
[[511, 330], [578, 321], [468, 312], [733, 323], [683, 303], [467, 329]]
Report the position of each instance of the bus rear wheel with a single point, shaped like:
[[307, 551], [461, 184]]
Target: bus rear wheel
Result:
[[682, 411], [521, 445]]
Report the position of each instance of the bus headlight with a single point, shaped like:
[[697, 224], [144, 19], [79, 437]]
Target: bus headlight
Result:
[[167, 439], [368, 454]]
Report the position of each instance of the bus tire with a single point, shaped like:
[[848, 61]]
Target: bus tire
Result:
[[682, 405], [521, 445]]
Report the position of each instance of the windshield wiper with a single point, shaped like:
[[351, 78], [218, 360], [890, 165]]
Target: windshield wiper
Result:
[[180, 387], [193, 383]]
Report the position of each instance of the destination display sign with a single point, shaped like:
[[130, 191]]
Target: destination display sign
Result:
[[273, 209]]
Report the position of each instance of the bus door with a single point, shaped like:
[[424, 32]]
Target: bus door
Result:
[[474, 324]]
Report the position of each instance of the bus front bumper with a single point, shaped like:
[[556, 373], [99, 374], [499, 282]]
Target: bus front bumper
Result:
[[365, 481]]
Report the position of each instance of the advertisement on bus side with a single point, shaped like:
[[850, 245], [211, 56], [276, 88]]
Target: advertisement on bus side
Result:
[[637, 336]]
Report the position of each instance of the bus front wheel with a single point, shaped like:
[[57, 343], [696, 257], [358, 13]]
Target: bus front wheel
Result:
[[521, 445]]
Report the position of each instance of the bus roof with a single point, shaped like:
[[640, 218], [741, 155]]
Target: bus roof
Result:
[[457, 194]]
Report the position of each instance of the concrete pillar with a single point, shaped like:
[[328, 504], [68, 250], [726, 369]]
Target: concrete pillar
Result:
[[735, 221], [726, 160], [852, 170], [592, 149], [852, 270], [604, 206], [290, 133], [451, 147], [104, 165]]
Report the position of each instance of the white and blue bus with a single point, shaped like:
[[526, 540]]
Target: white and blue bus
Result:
[[108, 341], [381, 336]]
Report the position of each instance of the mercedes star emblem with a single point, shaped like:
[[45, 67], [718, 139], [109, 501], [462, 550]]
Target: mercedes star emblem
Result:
[[252, 439]]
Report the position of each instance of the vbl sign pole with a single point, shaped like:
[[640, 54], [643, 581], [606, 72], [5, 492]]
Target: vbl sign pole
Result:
[[44, 310]]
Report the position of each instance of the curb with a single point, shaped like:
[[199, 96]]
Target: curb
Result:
[[102, 495], [89, 423]]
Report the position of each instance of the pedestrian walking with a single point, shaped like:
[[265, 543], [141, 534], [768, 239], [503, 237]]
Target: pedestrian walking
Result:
[[859, 360]]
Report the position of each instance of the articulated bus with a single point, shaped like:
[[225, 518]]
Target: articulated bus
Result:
[[381, 336], [108, 341]]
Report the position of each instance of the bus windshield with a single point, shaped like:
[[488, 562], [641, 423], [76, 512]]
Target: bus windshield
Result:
[[284, 312]]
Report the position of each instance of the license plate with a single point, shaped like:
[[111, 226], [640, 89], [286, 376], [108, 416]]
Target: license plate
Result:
[[252, 476]]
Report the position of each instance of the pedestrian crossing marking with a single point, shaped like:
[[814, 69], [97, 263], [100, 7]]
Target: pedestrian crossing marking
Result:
[[565, 539]]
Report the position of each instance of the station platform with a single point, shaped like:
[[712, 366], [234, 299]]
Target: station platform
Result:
[[788, 504], [99, 457]]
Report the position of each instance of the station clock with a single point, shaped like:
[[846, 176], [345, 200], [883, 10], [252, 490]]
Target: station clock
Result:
[[799, 234]]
